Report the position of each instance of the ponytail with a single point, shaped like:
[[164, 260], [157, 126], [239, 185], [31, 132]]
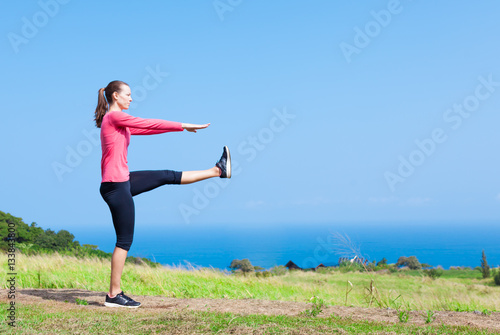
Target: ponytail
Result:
[[101, 109], [104, 98]]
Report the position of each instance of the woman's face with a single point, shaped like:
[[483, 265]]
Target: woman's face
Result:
[[123, 98]]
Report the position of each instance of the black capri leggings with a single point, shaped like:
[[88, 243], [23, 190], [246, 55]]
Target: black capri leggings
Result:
[[118, 196]]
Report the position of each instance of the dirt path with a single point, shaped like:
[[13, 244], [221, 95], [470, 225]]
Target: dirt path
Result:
[[253, 306]]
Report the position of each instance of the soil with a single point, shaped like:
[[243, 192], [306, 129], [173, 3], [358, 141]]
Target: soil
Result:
[[254, 306]]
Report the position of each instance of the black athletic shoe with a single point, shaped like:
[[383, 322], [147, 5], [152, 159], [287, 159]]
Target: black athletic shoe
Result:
[[121, 300], [224, 163]]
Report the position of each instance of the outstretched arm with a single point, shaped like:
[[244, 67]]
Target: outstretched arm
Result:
[[187, 126], [194, 127], [140, 126]]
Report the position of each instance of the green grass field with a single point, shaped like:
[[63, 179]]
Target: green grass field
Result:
[[463, 292], [74, 320], [457, 290]]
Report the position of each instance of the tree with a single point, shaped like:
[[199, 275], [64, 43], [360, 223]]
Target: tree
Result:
[[382, 262], [64, 240], [35, 231], [47, 240], [244, 265], [411, 262], [485, 268]]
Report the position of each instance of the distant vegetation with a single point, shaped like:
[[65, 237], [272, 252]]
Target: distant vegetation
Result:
[[405, 265], [32, 240]]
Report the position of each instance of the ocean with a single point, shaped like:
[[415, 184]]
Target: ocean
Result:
[[307, 245]]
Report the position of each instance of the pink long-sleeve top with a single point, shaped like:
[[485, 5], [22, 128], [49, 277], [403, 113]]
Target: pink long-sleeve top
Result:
[[116, 129]]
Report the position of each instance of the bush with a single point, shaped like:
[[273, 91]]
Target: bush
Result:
[[497, 278], [460, 268], [263, 274], [140, 261], [279, 270], [351, 267], [434, 273], [371, 266], [326, 270], [382, 262]]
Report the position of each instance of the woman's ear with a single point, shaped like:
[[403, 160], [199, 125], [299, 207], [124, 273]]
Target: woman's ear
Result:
[[115, 96]]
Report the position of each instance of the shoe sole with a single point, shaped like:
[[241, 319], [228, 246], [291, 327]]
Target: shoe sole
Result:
[[110, 304], [228, 163]]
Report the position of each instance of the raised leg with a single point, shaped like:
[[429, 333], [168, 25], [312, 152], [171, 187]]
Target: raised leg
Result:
[[189, 177], [144, 181]]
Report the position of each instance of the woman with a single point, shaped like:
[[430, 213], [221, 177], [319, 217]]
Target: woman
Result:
[[118, 185]]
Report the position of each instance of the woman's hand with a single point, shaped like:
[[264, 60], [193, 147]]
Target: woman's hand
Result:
[[194, 127]]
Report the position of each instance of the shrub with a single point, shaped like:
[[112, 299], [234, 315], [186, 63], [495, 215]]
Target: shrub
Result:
[[141, 261], [279, 270], [351, 267], [434, 273], [460, 268], [382, 267], [263, 274], [382, 262], [393, 269], [496, 279], [326, 270], [371, 266]]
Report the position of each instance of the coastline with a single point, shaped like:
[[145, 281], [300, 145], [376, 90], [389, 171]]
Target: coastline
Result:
[[444, 244]]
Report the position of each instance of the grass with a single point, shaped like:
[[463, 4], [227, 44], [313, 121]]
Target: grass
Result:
[[451, 274], [73, 319], [403, 316], [81, 302], [407, 291], [430, 317], [461, 290], [317, 307]]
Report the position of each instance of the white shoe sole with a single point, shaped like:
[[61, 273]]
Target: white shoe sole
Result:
[[228, 163], [110, 304]]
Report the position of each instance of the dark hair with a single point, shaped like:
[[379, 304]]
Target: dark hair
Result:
[[102, 103]]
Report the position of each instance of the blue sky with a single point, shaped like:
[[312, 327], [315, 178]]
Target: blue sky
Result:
[[334, 111]]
